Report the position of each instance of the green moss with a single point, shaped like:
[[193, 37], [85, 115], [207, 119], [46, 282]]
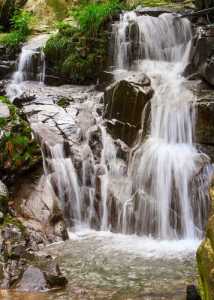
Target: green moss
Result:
[[205, 258], [18, 149], [9, 220], [64, 102]]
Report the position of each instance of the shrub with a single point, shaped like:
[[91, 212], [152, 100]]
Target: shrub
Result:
[[90, 17], [20, 29]]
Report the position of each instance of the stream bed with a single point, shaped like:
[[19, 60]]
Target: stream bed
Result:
[[103, 265]]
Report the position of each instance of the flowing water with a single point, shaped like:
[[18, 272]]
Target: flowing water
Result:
[[31, 66], [155, 201]]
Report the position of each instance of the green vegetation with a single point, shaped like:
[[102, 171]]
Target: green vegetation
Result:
[[19, 29], [18, 149], [79, 53], [91, 17]]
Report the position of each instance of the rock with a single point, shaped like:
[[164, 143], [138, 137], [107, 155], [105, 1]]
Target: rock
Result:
[[151, 11], [33, 279], [124, 104], [39, 211], [4, 111], [52, 272], [205, 257], [23, 99], [95, 143], [202, 54], [3, 85], [205, 121], [192, 293], [43, 274], [4, 196]]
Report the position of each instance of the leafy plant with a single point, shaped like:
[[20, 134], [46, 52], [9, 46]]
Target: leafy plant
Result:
[[90, 17], [20, 22], [20, 29]]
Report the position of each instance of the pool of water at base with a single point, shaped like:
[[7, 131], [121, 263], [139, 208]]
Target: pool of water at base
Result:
[[102, 265]]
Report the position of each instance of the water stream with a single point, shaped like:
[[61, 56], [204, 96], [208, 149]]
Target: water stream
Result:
[[156, 202]]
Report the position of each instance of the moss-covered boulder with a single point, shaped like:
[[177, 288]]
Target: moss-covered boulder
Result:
[[18, 148], [73, 57], [205, 257]]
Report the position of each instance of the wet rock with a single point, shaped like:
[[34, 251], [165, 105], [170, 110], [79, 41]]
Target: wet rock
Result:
[[6, 68], [23, 99], [132, 37], [151, 11], [205, 120], [202, 54], [192, 293], [43, 274], [95, 143], [3, 84], [33, 279], [125, 101], [4, 196]]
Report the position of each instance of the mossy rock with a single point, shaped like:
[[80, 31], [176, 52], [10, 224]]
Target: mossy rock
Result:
[[205, 258], [18, 149], [76, 57]]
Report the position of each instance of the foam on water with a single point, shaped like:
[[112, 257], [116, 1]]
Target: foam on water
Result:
[[144, 246]]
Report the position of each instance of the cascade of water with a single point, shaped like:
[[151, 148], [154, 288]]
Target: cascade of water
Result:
[[31, 66], [162, 191], [164, 166], [63, 178]]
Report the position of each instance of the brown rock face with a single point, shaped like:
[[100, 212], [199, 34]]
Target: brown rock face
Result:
[[125, 101], [205, 121], [202, 54]]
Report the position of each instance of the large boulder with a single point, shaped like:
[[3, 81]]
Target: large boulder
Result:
[[125, 101], [205, 257], [202, 54]]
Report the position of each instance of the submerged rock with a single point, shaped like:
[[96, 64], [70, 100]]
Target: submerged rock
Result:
[[192, 293], [125, 101]]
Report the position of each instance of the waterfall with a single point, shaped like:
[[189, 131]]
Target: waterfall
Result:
[[31, 66], [158, 187], [164, 166]]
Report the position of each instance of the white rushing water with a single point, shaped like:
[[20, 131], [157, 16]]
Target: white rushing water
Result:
[[31, 66], [161, 192], [158, 189], [165, 164]]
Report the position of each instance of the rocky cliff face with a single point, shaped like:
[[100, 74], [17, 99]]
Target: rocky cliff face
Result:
[[202, 54]]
